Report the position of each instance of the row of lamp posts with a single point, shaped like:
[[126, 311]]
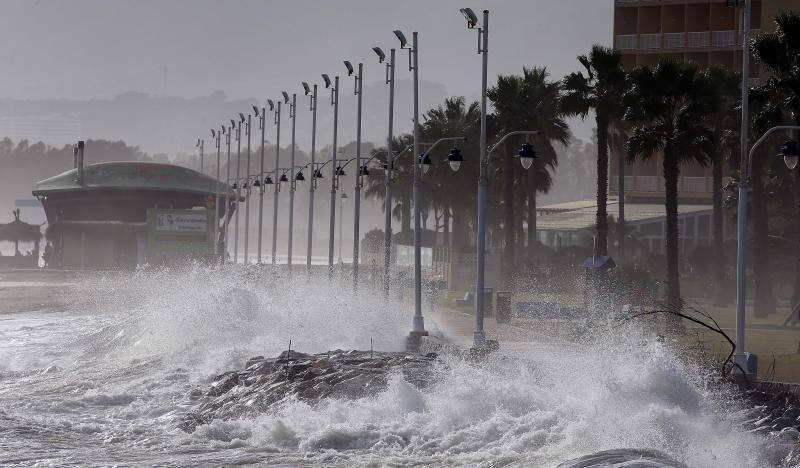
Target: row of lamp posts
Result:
[[421, 164]]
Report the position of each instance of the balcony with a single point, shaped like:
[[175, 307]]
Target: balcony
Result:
[[698, 39], [693, 40]]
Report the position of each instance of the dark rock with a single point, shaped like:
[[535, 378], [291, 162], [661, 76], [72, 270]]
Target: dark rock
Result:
[[792, 413], [336, 374], [254, 360], [223, 383]]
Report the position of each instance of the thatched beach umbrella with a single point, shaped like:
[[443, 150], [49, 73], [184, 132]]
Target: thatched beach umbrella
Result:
[[20, 231]]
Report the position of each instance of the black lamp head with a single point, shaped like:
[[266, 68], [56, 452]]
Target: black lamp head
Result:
[[283, 178], [472, 19], [365, 170], [455, 159], [306, 88], [791, 154], [401, 37], [327, 80], [268, 180], [241, 117], [255, 110], [526, 155], [257, 183], [349, 67], [380, 54], [285, 97]]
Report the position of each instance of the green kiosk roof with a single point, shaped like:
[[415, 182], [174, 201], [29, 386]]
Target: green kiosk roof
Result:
[[133, 175]]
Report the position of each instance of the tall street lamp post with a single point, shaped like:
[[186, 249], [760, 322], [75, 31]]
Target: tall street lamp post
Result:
[[262, 124], [334, 167], [247, 125], [277, 113], [790, 153], [359, 78], [238, 126], [200, 143], [422, 165], [216, 200], [313, 183], [292, 182], [227, 192], [342, 200], [387, 215], [418, 327]]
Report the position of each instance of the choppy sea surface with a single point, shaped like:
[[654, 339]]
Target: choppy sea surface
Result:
[[106, 381]]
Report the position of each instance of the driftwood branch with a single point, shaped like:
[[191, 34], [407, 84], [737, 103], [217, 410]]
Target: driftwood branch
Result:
[[713, 326]]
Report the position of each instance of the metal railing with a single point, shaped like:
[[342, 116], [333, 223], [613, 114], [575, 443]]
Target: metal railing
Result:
[[694, 39], [627, 41], [674, 40], [698, 39], [650, 41]]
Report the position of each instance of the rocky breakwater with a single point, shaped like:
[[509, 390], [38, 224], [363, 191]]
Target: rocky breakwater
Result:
[[266, 382]]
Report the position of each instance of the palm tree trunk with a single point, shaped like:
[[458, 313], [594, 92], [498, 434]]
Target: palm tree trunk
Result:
[[621, 206], [531, 216], [673, 293], [764, 299], [796, 292], [602, 185], [405, 214], [508, 211], [446, 222], [720, 295]]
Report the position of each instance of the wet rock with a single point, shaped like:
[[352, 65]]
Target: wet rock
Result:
[[223, 383], [782, 423], [309, 377]]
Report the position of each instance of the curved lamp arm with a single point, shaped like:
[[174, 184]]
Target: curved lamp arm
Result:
[[760, 141], [508, 135]]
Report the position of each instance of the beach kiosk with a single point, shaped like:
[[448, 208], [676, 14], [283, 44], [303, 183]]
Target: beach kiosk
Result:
[[124, 214]]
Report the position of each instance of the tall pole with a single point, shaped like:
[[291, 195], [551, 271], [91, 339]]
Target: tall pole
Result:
[[201, 156], [313, 181], [262, 123], [292, 184], [238, 190], [334, 177], [387, 215], [216, 202], [741, 239], [418, 326], [277, 185], [341, 219], [227, 193], [359, 179], [483, 185], [247, 202]]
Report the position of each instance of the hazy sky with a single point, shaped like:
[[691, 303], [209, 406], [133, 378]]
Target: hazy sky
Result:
[[254, 48]]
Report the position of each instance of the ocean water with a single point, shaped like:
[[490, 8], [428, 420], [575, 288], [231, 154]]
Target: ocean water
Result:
[[106, 383]]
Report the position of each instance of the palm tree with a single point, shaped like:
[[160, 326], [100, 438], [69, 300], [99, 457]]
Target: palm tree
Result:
[[619, 132], [403, 175], [452, 193], [527, 102], [780, 100], [600, 89], [668, 106], [726, 134]]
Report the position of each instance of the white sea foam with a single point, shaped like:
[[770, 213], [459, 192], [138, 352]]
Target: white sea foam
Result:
[[126, 357]]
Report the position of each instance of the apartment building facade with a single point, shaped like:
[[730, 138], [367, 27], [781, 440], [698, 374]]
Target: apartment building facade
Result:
[[706, 32]]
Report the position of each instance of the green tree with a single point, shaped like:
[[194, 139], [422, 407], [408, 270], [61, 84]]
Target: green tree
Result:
[[600, 89], [669, 106], [779, 100], [725, 124], [453, 194], [527, 102]]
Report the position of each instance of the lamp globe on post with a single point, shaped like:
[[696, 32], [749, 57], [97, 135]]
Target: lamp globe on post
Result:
[[791, 154], [455, 159], [425, 163], [284, 178], [365, 170], [300, 177], [526, 155]]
